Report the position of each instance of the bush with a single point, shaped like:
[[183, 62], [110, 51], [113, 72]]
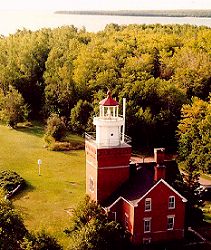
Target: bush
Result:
[[9, 180], [12, 228], [40, 241], [56, 128], [66, 146]]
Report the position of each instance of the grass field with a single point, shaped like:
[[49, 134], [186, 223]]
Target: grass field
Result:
[[59, 188]]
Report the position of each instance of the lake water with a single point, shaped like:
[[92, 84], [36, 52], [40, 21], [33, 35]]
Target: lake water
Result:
[[10, 21]]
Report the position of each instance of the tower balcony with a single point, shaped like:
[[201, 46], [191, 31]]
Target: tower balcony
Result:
[[125, 140]]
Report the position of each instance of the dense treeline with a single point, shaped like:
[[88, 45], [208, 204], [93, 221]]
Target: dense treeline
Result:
[[161, 13], [67, 71]]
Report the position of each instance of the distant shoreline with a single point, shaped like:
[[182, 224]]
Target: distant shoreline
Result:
[[150, 13]]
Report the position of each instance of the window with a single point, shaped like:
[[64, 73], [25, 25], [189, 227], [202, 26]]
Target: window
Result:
[[171, 202], [146, 241], [126, 220], [148, 204], [91, 184], [170, 222], [147, 225]]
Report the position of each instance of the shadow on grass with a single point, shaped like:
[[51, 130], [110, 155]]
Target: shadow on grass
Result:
[[34, 128], [24, 192]]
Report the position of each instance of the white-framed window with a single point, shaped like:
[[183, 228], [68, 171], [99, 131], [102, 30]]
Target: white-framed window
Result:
[[170, 222], [148, 204], [171, 204], [146, 241], [91, 184], [126, 222], [147, 225]]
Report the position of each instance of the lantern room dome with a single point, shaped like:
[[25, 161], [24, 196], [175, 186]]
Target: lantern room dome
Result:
[[109, 101]]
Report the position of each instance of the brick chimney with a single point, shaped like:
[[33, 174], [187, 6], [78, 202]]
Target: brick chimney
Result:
[[160, 168]]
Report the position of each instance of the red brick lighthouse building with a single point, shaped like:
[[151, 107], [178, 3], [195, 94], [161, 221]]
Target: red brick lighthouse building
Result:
[[139, 196]]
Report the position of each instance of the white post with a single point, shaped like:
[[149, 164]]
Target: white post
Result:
[[124, 109], [39, 166]]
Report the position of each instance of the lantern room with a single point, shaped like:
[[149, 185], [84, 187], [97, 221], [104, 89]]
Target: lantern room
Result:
[[109, 124]]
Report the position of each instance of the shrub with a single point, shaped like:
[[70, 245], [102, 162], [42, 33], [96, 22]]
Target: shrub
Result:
[[9, 180], [12, 228], [40, 241], [66, 146], [56, 128]]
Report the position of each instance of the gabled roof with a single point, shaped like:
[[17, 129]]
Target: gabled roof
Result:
[[109, 101], [142, 183], [165, 183]]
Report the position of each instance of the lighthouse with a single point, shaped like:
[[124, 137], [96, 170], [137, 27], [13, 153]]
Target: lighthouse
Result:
[[107, 151]]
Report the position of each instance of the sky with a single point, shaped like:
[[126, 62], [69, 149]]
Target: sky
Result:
[[103, 4]]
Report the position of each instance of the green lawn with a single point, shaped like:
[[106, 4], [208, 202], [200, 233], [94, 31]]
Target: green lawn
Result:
[[59, 188]]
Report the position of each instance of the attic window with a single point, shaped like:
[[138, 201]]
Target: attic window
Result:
[[148, 204], [171, 202]]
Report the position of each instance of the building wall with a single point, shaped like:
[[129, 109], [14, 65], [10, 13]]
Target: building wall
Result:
[[91, 172], [109, 169], [158, 214], [123, 209]]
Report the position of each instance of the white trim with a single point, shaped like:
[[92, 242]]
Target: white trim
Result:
[[150, 205], [91, 163], [158, 232], [172, 202], [164, 182], [96, 166], [170, 217], [126, 221], [147, 220], [120, 197], [116, 167]]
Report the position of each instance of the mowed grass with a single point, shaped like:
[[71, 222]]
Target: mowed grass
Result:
[[45, 202]]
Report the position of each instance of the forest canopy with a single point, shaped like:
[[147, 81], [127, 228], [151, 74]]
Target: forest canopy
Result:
[[158, 68]]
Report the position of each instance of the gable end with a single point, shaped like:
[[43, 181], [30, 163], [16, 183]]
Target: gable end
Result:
[[166, 184]]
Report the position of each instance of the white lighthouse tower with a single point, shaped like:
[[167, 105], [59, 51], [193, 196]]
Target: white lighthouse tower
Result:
[[108, 153]]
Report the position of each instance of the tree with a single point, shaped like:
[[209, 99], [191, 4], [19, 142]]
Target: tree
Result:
[[12, 108], [194, 133], [91, 229], [189, 187], [40, 241], [12, 228], [79, 118]]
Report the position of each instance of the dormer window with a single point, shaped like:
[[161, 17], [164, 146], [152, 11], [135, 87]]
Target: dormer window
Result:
[[148, 204], [171, 204]]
